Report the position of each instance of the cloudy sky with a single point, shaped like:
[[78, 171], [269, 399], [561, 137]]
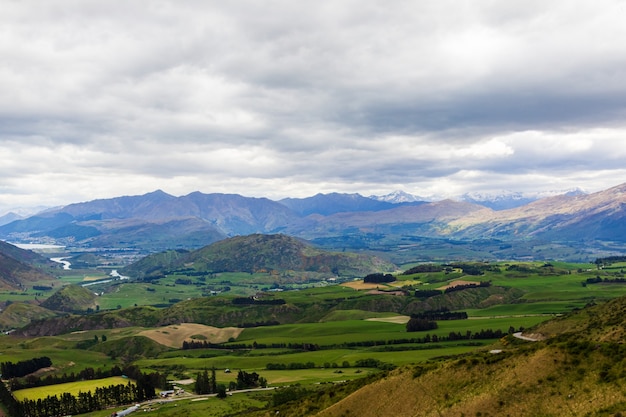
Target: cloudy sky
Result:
[[291, 98]]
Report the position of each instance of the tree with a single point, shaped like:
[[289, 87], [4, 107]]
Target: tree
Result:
[[221, 391], [417, 325], [213, 381], [203, 384]]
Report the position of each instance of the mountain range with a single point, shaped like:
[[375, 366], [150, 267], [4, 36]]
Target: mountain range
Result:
[[158, 221]]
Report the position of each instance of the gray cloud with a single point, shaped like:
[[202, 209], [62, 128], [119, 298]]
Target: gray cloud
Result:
[[280, 98]]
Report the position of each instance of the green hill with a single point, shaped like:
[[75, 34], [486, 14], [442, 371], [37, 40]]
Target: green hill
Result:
[[71, 298], [259, 253], [20, 314], [579, 370], [130, 347]]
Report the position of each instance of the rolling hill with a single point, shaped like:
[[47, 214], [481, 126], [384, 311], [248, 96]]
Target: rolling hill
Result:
[[70, 298], [257, 252], [579, 370]]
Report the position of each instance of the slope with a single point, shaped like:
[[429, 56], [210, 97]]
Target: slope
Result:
[[20, 314], [17, 270], [567, 217], [71, 298], [579, 371]]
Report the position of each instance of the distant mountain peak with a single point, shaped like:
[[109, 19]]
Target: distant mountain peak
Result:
[[398, 196], [506, 199]]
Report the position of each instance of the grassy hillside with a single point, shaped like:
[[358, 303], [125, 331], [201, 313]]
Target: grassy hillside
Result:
[[254, 253], [20, 314], [579, 371], [71, 298], [17, 270]]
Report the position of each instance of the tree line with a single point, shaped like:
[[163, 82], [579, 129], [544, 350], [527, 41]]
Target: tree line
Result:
[[23, 368], [378, 277], [441, 314], [254, 301], [462, 287], [482, 334]]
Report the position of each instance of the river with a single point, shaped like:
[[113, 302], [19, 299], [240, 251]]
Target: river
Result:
[[66, 264]]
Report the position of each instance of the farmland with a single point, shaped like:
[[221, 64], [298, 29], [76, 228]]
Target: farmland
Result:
[[335, 331]]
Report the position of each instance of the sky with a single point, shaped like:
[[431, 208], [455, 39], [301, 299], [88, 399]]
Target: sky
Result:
[[293, 98]]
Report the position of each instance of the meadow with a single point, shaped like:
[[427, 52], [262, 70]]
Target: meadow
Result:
[[72, 387]]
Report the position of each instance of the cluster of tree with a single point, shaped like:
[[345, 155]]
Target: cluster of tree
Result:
[[255, 301], [201, 344], [23, 368], [598, 280], [473, 268], [183, 281], [42, 288], [427, 293], [306, 347], [307, 365], [609, 260], [206, 384], [466, 286], [260, 324], [11, 405], [374, 363], [292, 365], [86, 374], [440, 314], [468, 335], [423, 268], [378, 277], [481, 335], [250, 380], [197, 344], [420, 325]]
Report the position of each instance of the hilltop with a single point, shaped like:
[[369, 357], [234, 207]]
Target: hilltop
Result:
[[254, 253], [71, 298]]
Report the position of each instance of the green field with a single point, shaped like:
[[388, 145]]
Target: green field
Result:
[[72, 387]]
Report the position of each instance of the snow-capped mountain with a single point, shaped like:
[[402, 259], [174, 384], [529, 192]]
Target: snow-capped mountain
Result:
[[504, 200], [398, 197]]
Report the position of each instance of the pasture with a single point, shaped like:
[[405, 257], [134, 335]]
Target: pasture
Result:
[[72, 387]]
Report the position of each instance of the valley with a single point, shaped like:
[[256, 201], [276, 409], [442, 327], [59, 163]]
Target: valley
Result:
[[306, 333], [319, 321]]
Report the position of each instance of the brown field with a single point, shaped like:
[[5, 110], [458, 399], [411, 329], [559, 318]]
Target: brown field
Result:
[[361, 286], [174, 335], [393, 319]]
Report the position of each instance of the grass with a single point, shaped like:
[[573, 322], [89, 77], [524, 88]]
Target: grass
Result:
[[72, 387], [206, 407]]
